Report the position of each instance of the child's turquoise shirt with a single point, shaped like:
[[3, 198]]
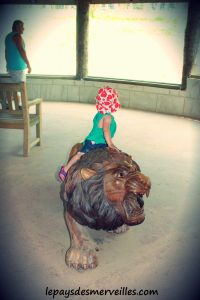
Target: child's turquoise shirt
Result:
[[96, 134]]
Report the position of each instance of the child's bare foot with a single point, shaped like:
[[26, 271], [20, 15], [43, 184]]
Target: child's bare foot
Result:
[[62, 174]]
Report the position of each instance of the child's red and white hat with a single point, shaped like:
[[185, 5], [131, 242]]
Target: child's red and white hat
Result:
[[107, 100]]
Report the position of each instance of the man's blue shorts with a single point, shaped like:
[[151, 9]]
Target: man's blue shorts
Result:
[[91, 145]]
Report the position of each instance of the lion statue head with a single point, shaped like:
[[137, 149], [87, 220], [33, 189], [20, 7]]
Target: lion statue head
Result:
[[105, 190]]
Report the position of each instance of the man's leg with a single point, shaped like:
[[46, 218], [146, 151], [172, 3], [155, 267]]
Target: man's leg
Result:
[[17, 77]]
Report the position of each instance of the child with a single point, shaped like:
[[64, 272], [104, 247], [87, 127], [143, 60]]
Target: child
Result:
[[104, 127]]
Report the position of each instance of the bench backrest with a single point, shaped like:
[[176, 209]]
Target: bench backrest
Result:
[[13, 98]]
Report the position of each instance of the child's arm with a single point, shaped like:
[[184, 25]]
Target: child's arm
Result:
[[106, 130]]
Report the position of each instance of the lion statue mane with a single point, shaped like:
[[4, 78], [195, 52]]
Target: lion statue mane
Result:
[[103, 190]]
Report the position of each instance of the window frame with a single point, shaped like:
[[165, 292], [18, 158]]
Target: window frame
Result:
[[81, 72]]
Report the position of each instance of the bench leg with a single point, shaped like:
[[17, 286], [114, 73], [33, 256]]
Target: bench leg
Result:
[[26, 146], [39, 125], [38, 133]]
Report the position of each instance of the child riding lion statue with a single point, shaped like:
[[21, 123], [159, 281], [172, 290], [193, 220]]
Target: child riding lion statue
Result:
[[102, 187]]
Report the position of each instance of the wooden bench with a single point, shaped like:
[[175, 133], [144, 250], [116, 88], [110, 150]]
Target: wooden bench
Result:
[[16, 113]]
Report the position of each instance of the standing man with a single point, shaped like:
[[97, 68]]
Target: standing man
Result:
[[15, 54]]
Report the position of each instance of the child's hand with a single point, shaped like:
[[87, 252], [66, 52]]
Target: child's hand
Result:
[[114, 148]]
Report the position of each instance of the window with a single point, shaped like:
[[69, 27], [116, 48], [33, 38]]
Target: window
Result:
[[50, 36], [140, 42]]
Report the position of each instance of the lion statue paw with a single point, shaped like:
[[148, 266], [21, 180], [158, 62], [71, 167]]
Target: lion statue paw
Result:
[[120, 229], [81, 259]]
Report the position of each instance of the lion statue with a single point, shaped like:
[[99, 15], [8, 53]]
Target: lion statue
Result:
[[103, 190]]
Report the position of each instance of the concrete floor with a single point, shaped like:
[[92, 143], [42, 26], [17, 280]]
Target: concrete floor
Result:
[[162, 253]]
